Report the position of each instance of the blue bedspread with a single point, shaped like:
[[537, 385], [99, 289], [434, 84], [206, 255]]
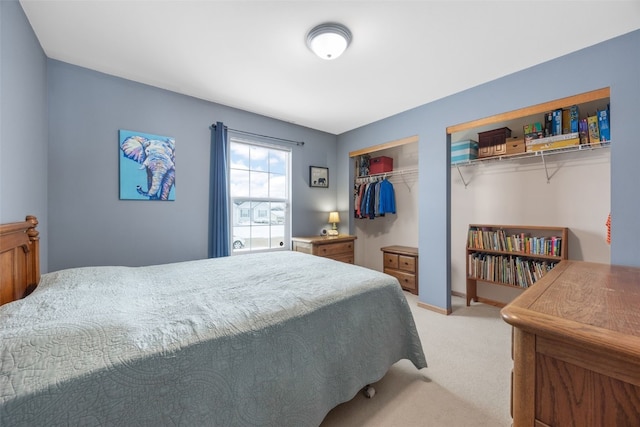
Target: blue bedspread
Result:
[[273, 339]]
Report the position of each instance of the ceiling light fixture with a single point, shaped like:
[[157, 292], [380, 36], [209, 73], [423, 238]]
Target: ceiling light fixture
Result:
[[329, 40]]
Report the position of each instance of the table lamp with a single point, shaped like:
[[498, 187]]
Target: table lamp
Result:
[[334, 218]]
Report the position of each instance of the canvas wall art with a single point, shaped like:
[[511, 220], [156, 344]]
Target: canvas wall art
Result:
[[147, 166]]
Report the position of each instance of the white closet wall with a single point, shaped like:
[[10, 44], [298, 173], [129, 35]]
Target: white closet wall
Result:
[[577, 196]]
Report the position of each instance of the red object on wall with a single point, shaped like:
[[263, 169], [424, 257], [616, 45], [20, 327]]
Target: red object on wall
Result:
[[380, 164]]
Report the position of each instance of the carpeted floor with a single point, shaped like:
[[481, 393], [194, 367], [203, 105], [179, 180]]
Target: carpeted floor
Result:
[[466, 384]]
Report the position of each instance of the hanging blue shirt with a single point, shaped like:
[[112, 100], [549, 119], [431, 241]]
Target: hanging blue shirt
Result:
[[387, 198]]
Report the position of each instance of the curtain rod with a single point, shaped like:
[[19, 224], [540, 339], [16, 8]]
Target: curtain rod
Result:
[[290, 141]]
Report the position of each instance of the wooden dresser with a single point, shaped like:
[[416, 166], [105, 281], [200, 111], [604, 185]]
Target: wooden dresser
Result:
[[576, 348], [340, 248], [401, 262]]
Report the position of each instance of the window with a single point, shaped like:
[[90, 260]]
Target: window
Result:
[[259, 188]]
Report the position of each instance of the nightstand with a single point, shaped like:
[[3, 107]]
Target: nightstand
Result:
[[340, 248], [401, 262]]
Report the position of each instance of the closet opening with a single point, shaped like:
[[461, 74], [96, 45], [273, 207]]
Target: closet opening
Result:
[[395, 162]]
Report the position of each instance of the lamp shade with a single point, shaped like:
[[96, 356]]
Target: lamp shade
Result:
[[334, 217], [329, 40]]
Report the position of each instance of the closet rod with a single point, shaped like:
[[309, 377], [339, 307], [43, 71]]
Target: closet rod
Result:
[[244, 132], [389, 174]]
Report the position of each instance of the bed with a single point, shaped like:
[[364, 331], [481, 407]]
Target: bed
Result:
[[275, 339]]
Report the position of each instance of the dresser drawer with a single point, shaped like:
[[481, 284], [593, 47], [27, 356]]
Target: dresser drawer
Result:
[[390, 260], [407, 280], [348, 258], [331, 249], [407, 263], [400, 262]]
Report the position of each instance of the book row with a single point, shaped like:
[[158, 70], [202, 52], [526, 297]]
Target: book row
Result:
[[590, 129], [508, 269], [499, 240]]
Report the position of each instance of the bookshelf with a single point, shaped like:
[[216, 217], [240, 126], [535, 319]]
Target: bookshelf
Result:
[[515, 256]]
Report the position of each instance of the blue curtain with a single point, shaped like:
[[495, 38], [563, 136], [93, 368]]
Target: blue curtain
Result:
[[219, 193]]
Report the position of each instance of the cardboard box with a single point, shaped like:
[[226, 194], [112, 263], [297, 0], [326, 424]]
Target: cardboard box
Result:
[[515, 146], [380, 164], [583, 131], [603, 125], [554, 144], [574, 119], [594, 130], [556, 128], [532, 128], [463, 151]]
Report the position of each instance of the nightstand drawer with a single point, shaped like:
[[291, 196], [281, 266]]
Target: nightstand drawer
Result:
[[390, 260], [407, 263], [348, 258], [332, 249], [407, 280]]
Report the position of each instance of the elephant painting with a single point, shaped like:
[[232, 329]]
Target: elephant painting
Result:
[[156, 155]]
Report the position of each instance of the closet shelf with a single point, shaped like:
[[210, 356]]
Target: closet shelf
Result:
[[542, 154], [397, 172]]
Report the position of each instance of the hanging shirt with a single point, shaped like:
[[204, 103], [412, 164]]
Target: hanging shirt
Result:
[[387, 198]]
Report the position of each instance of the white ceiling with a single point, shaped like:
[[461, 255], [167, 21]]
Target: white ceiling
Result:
[[252, 54]]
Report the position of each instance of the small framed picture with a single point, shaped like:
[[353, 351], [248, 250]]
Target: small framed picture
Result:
[[318, 177]]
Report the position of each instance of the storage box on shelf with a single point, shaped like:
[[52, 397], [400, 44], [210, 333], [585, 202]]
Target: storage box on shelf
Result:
[[493, 142], [511, 255], [515, 146], [463, 151], [380, 164], [558, 141]]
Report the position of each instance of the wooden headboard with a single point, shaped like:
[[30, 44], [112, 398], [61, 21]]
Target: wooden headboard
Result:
[[19, 259]]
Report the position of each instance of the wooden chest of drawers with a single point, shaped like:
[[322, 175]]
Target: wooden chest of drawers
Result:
[[576, 348], [401, 262], [340, 248]]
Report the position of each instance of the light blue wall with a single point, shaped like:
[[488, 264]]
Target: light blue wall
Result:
[[63, 168], [23, 124], [615, 63], [58, 135], [89, 225]]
